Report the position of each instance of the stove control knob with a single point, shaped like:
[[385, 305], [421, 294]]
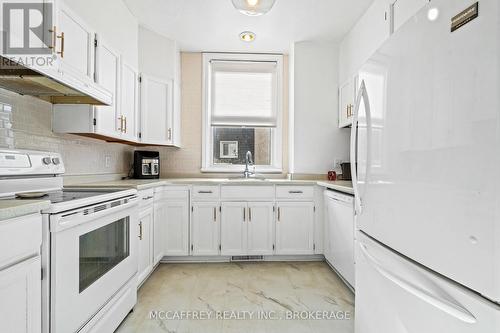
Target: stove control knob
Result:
[[56, 161], [46, 160]]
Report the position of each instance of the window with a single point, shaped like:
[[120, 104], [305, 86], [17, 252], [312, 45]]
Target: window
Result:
[[242, 112]]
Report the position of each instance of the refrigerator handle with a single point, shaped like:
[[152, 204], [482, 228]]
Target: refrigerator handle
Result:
[[444, 305], [362, 94]]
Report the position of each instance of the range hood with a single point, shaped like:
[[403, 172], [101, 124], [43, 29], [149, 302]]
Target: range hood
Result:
[[26, 81]]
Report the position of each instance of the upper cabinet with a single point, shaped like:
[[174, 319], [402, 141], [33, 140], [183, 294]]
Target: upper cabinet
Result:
[[403, 10], [157, 110], [159, 64], [76, 45], [145, 103], [346, 103]]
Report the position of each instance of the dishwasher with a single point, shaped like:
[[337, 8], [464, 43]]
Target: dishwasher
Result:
[[339, 233]]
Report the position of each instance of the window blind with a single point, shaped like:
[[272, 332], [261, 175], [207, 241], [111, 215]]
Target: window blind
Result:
[[243, 93]]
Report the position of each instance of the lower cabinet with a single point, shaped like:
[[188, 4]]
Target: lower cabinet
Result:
[[176, 234], [20, 297], [205, 229], [145, 243], [295, 228], [247, 228]]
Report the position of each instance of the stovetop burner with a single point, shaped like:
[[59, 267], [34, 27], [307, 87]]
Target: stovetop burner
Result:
[[71, 194]]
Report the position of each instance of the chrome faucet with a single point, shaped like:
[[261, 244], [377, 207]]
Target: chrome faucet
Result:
[[248, 161]]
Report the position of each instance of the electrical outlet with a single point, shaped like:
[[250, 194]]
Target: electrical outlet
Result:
[[337, 165], [107, 161]]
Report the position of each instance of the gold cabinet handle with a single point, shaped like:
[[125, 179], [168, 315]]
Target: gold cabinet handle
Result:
[[279, 214], [125, 120], [61, 53], [249, 214], [121, 123], [244, 214], [215, 214], [54, 37], [140, 230]]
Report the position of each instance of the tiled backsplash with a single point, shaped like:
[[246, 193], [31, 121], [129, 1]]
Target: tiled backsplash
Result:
[[31, 127]]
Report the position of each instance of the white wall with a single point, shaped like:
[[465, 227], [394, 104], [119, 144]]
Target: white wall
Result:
[[365, 38], [114, 23], [317, 140]]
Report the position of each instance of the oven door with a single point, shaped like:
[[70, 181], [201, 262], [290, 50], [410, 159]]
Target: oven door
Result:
[[93, 254]]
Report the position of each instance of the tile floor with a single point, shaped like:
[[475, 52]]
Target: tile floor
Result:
[[277, 290]]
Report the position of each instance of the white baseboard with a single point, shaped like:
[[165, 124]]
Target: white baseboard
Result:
[[219, 259]]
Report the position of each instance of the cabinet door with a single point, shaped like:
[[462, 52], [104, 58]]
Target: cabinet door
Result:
[[403, 10], [145, 249], [129, 105], [21, 297], [260, 228], [294, 228], [107, 69], [76, 47], [156, 111], [159, 230], [205, 229], [346, 103], [176, 232], [234, 228]]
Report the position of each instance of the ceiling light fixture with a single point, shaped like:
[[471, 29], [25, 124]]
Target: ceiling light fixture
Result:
[[253, 7], [247, 36]]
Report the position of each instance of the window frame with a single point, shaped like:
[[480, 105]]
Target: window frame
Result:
[[207, 131]]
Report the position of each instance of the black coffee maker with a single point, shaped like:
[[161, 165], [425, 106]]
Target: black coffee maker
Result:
[[146, 164]]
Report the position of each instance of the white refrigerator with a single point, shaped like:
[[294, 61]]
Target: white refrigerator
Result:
[[427, 181]]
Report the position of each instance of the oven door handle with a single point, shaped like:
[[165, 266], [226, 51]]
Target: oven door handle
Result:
[[70, 219]]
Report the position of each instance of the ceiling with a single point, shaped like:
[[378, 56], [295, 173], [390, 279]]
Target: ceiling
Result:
[[214, 25]]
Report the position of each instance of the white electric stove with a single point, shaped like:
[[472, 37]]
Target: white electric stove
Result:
[[89, 259]]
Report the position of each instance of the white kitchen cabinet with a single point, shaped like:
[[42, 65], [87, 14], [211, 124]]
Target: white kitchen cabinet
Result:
[[339, 233], [107, 69], [129, 106], [21, 297], [260, 228], [205, 229], [346, 103], [145, 243], [156, 110], [247, 228], [234, 228], [117, 122], [176, 234], [75, 43], [20, 274], [363, 40], [403, 10], [295, 228], [159, 229]]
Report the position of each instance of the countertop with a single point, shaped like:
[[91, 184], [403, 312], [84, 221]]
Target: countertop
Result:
[[15, 208], [139, 184], [10, 209]]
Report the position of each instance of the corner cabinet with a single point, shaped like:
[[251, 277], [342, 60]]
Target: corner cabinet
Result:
[[157, 111]]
